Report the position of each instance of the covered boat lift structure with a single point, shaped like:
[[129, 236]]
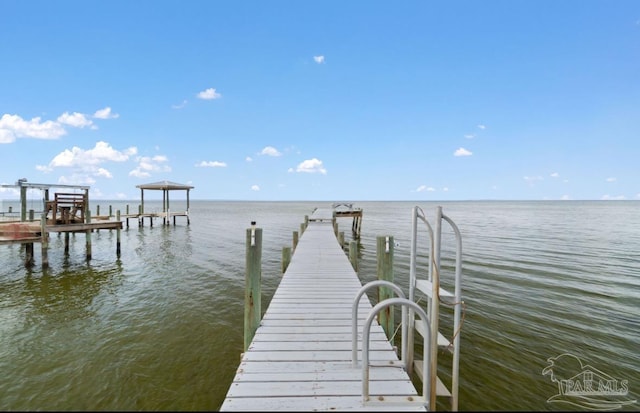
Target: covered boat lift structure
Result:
[[165, 187]]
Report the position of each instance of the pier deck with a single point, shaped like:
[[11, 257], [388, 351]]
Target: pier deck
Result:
[[300, 358]]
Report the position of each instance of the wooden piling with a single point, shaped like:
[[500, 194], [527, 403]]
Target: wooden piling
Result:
[[44, 243], [118, 231], [28, 259], [88, 236], [384, 252], [353, 254], [253, 289], [295, 240], [286, 258]]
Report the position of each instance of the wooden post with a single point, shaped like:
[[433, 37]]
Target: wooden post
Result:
[[384, 250], [23, 202], [302, 228], [66, 242], [353, 254], [88, 236], [31, 215], [98, 210], [306, 221], [117, 234], [28, 259], [253, 289], [286, 258], [44, 242], [110, 211], [295, 240], [341, 239]]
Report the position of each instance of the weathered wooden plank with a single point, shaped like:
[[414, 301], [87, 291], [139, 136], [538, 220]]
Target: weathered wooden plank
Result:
[[319, 403], [329, 355], [319, 388], [352, 374], [265, 367], [302, 334], [314, 345]]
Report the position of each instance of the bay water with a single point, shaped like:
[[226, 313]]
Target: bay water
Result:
[[161, 327]]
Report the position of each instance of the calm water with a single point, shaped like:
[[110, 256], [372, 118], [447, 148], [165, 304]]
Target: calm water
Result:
[[161, 328]]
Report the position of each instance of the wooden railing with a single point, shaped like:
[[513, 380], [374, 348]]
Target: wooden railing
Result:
[[67, 208]]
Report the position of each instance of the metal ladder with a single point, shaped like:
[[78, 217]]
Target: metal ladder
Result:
[[436, 298]]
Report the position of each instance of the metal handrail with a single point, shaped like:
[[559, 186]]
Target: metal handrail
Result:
[[354, 319], [426, 386]]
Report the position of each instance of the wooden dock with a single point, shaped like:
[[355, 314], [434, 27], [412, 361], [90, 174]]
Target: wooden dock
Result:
[[301, 356]]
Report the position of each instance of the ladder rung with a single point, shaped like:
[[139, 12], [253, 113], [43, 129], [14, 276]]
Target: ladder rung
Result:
[[427, 288], [442, 340], [441, 389]]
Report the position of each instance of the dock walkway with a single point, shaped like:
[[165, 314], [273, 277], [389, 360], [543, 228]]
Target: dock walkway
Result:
[[300, 358]]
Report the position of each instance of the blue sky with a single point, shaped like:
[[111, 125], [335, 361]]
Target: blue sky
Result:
[[331, 100]]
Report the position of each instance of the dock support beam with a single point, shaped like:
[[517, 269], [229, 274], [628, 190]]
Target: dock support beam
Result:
[[286, 258], [45, 241], [117, 234], [88, 236], [384, 250], [253, 289], [353, 254]]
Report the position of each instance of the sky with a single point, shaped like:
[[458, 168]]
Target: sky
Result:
[[324, 100]]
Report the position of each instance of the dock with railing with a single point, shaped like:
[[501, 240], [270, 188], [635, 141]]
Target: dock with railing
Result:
[[322, 345]]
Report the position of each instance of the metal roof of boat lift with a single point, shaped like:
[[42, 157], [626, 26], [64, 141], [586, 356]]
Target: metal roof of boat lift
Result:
[[166, 185]]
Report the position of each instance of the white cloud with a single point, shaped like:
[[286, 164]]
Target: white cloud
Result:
[[78, 120], [102, 152], [255, 188], [423, 188], [7, 136], [483, 127], [462, 152], [104, 173], [105, 114], [611, 179], [532, 179], [181, 105], [248, 159], [147, 165], [554, 175], [311, 166], [211, 164], [469, 136], [76, 179], [613, 198], [565, 197], [319, 59], [270, 151], [13, 126], [445, 189], [209, 94]]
